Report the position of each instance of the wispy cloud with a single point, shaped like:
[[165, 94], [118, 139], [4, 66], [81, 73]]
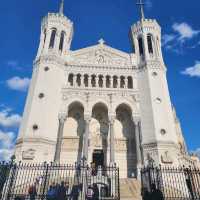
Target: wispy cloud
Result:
[[17, 83], [8, 119], [193, 71], [182, 32], [185, 31], [7, 143]]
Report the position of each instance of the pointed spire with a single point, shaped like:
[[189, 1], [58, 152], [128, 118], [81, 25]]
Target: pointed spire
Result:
[[61, 11], [141, 5]]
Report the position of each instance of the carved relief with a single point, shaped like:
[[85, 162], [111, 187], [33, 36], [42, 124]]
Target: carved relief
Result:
[[28, 154], [166, 158], [101, 55]]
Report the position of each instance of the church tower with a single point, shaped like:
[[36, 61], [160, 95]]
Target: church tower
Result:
[[159, 139], [38, 131]]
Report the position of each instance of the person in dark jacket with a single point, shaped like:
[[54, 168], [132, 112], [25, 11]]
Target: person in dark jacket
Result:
[[75, 192], [61, 195], [156, 194], [96, 192], [32, 192], [145, 194]]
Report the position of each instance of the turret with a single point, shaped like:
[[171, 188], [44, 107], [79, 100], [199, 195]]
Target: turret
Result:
[[56, 34], [159, 138]]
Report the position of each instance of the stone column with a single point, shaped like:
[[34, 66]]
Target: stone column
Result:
[[138, 146], [82, 81], [112, 139], [86, 137], [104, 82], [126, 82], [57, 40], [62, 119], [118, 82], [47, 42], [111, 81], [89, 81]]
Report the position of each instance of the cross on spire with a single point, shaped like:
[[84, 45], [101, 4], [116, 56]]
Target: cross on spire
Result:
[[141, 5], [61, 10]]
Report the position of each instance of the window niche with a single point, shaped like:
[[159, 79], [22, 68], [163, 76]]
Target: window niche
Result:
[[150, 43]]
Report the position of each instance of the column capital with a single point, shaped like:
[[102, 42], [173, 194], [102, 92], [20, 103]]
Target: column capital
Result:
[[136, 119], [87, 118], [112, 118], [62, 117]]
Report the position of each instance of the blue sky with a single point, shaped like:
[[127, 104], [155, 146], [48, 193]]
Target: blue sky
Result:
[[94, 19]]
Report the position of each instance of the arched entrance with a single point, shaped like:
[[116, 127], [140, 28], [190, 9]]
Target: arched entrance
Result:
[[99, 134], [125, 136], [73, 133]]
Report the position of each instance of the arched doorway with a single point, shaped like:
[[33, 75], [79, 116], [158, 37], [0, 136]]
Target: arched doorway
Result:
[[73, 133], [99, 134], [125, 136]]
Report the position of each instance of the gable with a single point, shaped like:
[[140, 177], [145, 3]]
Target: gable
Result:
[[100, 54]]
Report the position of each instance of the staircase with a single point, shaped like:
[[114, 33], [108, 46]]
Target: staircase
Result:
[[130, 189]]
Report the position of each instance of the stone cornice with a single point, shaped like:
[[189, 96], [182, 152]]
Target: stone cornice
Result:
[[35, 140], [159, 144]]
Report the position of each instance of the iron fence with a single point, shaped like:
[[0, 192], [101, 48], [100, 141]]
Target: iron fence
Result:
[[39, 181], [171, 183]]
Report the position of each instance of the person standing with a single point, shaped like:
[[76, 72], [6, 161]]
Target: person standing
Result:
[[32, 191]]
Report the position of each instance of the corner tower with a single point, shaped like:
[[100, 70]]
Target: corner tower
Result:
[[159, 139], [56, 34], [38, 132]]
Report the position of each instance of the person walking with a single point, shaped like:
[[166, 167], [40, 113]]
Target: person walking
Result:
[[90, 193], [32, 191], [96, 192], [61, 192]]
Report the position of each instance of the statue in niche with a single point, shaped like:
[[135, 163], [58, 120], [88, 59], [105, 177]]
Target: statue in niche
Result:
[[166, 158], [28, 154]]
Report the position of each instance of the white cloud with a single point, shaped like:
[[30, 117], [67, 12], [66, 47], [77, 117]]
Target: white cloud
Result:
[[167, 38], [17, 83], [193, 71], [5, 154], [7, 141], [9, 120], [185, 31]]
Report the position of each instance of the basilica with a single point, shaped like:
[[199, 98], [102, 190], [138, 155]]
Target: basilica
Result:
[[100, 104]]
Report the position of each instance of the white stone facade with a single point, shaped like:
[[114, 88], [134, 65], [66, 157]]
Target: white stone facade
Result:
[[99, 99]]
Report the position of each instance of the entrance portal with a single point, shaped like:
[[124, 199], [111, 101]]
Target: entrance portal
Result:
[[98, 157]]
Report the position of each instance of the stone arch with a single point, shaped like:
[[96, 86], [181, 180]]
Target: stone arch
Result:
[[126, 133], [99, 101], [132, 105], [99, 129], [74, 127]]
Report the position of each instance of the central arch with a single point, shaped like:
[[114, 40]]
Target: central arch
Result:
[[99, 128]]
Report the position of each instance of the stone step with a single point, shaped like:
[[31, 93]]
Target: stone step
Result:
[[130, 189]]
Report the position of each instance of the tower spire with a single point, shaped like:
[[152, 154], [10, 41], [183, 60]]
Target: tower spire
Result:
[[141, 5], [61, 10]]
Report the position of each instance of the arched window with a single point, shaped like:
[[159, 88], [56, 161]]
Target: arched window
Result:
[[70, 79], [141, 48], [62, 37], [150, 43], [130, 82], [45, 36], [52, 40]]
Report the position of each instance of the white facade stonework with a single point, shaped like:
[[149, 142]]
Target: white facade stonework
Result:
[[100, 99]]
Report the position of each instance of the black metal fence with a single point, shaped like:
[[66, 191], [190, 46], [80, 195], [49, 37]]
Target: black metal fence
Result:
[[58, 182], [171, 183]]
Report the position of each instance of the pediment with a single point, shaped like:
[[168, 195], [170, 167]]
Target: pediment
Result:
[[100, 54]]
